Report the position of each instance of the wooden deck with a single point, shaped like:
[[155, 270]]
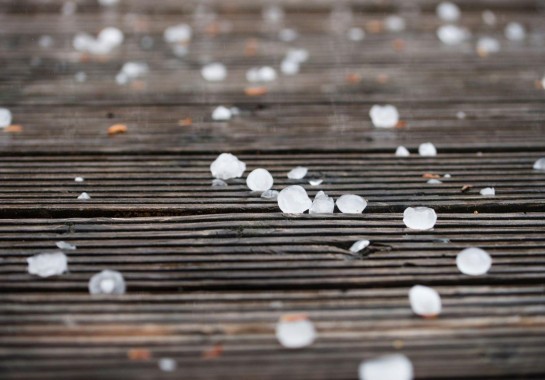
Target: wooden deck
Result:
[[212, 269]]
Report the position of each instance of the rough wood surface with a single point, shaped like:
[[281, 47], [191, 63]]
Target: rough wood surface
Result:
[[216, 267]]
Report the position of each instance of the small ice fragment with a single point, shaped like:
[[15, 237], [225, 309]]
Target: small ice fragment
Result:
[[261, 74], [167, 364], [322, 204], [356, 34], [108, 3], [180, 33], [272, 14], [219, 183], [297, 55], [315, 182], [351, 204], [270, 194], [294, 200], [401, 151], [227, 166], [107, 282], [448, 11], [111, 36], [5, 117], [514, 31], [79, 179], [288, 35], [235, 111], [259, 180], [488, 192], [461, 115], [388, 367], [135, 69], [452, 34], [540, 164], [427, 150], [487, 45], [221, 113], [489, 17], [84, 196], [394, 23], [46, 42], [298, 172], [434, 181], [447, 176], [295, 331], [384, 116], [473, 261], [80, 76], [47, 264], [425, 301], [419, 218], [214, 72], [66, 246], [289, 67], [359, 245]]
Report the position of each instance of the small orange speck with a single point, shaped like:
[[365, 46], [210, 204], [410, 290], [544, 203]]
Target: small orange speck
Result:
[[466, 188], [482, 53], [538, 84], [14, 128], [398, 44], [187, 122], [294, 317], [353, 78], [375, 26], [398, 344], [139, 354], [475, 212], [250, 48], [117, 129], [138, 85], [431, 176], [401, 124], [214, 352], [212, 29], [255, 91], [383, 78]]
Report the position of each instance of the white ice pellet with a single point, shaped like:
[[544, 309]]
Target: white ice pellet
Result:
[[167, 364], [214, 72], [47, 264], [288, 35], [177, 34], [394, 23], [448, 11], [297, 55], [355, 34], [540, 164], [80, 77], [419, 218], [351, 204], [79, 179], [289, 67], [227, 166], [514, 31], [5, 117], [107, 282], [259, 180], [473, 261], [84, 196], [488, 192], [82, 41], [46, 42], [452, 34], [401, 151], [221, 113], [425, 301], [270, 194], [111, 36], [261, 74], [489, 17], [135, 69], [315, 182], [108, 3], [447, 176], [298, 172], [384, 116], [359, 245], [488, 45], [427, 150], [388, 367], [461, 115], [294, 200], [219, 183], [434, 181], [66, 246], [272, 14], [295, 332], [322, 204]]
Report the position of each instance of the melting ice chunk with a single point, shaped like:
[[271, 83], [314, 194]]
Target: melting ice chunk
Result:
[[488, 192], [473, 261], [448, 11], [452, 34], [5, 117], [176, 34], [47, 264], [540, 164], [351, 204], [84, 196], [259, 180], [384, 116], [515, 31], [487, 45], [269, 194], [425, 301], [227, 166], [419, 218], [294, 200], [66, 246], [388, 367], [297, 173], [427, 150], [315, 182], [295, 331], [167, 364], [323, 204], [214, 72], [221, 113], [107, 282], [401, 151], [359, 245]]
